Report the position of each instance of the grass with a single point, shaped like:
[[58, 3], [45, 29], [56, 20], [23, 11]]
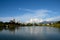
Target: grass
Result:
[[56, 25]]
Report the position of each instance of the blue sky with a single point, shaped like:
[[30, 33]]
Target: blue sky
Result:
[[29, 10]]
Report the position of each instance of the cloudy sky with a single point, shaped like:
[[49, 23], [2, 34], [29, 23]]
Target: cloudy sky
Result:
[[30, 10]]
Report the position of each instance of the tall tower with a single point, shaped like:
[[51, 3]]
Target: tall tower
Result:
[[13, 20]]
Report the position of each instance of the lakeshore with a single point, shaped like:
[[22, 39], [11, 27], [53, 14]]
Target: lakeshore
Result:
[[13, 24]]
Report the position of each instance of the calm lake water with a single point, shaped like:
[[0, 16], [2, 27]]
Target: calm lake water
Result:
[[30, 33]]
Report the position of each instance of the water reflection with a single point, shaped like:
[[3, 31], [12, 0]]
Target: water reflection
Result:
[[36, 32], [32, 30]]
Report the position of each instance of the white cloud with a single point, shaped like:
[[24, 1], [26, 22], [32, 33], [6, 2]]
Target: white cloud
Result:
[[56, 18], [25, 9], [36, 14], [33, 15], [5, 18], [35, 20], [39, 14]]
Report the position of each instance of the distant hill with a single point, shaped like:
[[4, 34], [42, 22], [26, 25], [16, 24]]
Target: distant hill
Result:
[[45, 22]]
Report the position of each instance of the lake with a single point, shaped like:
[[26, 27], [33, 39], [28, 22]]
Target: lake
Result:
[[30, 33]]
